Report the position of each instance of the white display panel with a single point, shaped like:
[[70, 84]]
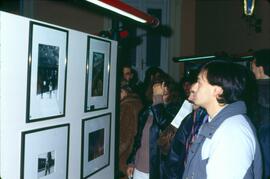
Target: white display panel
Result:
[[14, 48]]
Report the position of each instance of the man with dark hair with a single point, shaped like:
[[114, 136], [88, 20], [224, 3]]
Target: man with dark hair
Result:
[[225, 147], [261, 69]]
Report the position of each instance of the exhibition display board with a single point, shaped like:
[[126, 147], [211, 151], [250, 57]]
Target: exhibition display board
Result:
[[57, 101]]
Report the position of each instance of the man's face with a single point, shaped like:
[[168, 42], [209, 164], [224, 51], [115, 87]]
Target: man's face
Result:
[[204, 93], [127, 73], [192, 95]]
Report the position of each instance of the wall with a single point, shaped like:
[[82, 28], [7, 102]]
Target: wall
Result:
[[175, 39], [188, 27], [220, 26], [75, 14], [187, 31]]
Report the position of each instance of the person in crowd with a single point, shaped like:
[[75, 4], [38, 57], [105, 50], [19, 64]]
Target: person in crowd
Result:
[[130, 77], [144, 160], [130, 107], [167, 135], [186, 83], [261, 69], [226, 146], [185, 86], [150, 74], [176, 153], [127, 73]]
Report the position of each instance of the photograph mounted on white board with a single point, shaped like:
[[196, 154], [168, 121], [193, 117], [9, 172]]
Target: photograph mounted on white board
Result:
[[97, 74], [47, 68]]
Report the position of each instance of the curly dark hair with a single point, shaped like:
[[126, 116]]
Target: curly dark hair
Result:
[[172, 86]]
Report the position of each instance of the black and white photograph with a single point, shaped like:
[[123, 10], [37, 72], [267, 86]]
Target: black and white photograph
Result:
[[46, 164], [97, 74], [48, 58], [95, 144], [44, 153], [47, 65]]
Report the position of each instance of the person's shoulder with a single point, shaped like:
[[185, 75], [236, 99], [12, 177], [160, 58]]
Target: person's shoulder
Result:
[[237, 125], [134, 99], [236, 132], [236, 121]]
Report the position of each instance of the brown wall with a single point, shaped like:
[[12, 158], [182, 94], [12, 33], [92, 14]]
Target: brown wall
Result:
[[187, 31], [74, 14], [188, 27], [220, 26], [68, 15]]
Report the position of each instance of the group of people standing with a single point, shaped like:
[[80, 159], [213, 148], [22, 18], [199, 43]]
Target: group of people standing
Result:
[[226, 135]]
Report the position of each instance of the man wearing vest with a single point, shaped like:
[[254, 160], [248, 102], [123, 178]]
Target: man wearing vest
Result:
[[226, 147]]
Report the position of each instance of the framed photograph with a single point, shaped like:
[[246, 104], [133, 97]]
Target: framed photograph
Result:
[[45, 153], [97, 74], [95, 144], [47, 70]]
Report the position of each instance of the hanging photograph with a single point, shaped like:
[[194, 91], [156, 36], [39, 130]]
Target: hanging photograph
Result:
[[47, 68], [95, 144], [97, 74], [45, 153]]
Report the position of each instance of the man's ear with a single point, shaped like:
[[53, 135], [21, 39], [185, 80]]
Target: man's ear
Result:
[[218, 91]]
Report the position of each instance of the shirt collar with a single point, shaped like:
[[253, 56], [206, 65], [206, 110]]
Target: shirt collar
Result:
[[210, 118]]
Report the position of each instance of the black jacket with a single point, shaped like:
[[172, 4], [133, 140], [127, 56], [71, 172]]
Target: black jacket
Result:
[[173, 164], [162, 117], [263, 125]]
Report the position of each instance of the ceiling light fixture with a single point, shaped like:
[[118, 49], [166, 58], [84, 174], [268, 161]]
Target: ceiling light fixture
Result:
[[192, 58], [128, 11]]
